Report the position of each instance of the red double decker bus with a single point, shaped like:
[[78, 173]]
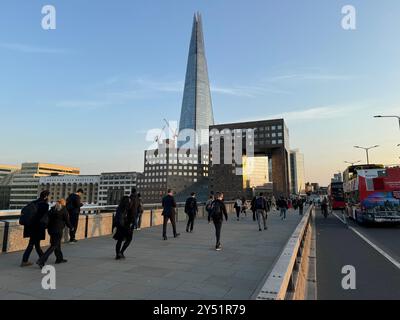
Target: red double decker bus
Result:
[[336, 196]]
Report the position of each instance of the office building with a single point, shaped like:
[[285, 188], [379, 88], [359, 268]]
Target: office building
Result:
[[230, 143], [24, 187], [196, 112], [169, 167], [61, 186], [115, 185], [297, 178]]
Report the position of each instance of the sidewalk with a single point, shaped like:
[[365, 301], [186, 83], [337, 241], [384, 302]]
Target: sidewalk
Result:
[[184, 268]]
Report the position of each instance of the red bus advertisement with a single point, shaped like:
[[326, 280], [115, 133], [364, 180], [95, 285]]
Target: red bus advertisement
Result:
[[373, 195], [336, 196]]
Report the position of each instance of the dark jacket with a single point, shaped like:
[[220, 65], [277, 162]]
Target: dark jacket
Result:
[[74, 204], [169, 205], [219, 210], [282, 203], [191, 206], [36, 230], [133, 209], [262, 205], [58, 219], [253, 204], [123, 221]]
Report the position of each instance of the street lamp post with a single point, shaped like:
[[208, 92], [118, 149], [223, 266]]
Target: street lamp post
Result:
[[352, 163], [366, 150], [397, 117]]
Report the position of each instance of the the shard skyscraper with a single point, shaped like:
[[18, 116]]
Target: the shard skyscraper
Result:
[[197, 112]]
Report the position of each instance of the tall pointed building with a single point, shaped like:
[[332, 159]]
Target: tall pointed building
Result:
[[197, 112]]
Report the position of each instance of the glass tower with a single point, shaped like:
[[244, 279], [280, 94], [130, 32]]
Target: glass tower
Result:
[[196, 112]]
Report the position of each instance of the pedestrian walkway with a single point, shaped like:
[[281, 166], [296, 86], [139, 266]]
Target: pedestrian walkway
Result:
[[184, 268]]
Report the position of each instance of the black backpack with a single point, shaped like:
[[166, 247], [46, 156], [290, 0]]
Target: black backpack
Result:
[[215, 210], [260, 203], [28, 214]]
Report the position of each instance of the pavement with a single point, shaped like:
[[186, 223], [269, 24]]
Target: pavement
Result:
[[187, 267], [376, 277]]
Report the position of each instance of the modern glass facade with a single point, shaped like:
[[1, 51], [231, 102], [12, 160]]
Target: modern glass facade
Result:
[[196, 112]]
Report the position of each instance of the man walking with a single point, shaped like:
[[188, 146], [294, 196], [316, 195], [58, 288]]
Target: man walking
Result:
[[261, 210], [191, 210], [283, 206], [300, 204], [218, 212], [169, 212], [74, 205], [34, 230]]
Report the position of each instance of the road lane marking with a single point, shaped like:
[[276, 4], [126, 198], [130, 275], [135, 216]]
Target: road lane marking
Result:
[[373, 245]]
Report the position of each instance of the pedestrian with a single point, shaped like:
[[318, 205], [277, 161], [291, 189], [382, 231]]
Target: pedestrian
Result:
[[133, 209], [35, 230], [74, 204], [238, 207], [140, 211], [300, 204], [253, 207], [169, 212], [191, 210], [283, 207], [123, 222], [261, 209], [244, 206], [208, 207], [218, 213], [58, 219]]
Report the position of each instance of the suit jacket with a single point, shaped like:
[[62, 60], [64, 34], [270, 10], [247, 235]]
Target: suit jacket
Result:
[[169, 205]]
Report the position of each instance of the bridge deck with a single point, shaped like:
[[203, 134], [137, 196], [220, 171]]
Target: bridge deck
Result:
[[184, 268]]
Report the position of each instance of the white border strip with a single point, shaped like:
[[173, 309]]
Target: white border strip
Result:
[[373, 245]]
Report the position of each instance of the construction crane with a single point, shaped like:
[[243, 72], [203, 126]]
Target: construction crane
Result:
[[174, 133]]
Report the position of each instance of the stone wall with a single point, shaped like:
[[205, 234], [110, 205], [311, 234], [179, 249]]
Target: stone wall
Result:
[[2, 225]]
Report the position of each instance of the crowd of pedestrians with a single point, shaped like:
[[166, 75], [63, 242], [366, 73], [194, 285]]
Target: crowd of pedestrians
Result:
[[36, 218]]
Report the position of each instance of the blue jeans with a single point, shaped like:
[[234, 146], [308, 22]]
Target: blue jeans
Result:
[[283, 213]]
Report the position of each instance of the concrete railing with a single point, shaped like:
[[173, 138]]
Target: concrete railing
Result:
[[95, 221], [289, 277]]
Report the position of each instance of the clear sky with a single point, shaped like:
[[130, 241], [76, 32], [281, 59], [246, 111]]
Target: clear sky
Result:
[[86, 93]]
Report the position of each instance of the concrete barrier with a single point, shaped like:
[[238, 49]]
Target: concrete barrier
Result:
[[289, 279], [146, 216], [15, 237], [99, 225], [157, 218], [92, 225], [2, 226]]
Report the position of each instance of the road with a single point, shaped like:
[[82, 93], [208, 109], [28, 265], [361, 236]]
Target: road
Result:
[[338, 246]]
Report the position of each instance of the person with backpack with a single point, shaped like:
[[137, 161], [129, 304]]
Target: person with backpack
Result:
[[191, 210], [169, 212], [208, 208], [58, 219], [74, 205], [31, 219], [123, 223], [261, 210], [218, 212], [238, 207]]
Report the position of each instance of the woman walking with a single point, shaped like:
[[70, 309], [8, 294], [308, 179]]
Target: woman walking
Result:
[[124, 233], [58, 219]]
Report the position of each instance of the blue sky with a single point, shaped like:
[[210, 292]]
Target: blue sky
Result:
[[86, 93]]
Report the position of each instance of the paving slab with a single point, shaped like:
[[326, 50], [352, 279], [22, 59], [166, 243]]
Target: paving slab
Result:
[[187, 267]]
